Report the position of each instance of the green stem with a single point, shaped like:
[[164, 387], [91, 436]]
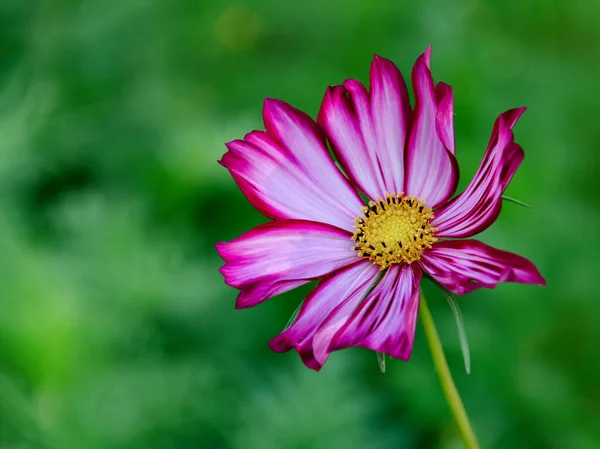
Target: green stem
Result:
[[441, 366]]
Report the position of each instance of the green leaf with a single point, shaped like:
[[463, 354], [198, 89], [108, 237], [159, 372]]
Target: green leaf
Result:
[[294, 316], [462, 335], [381, 361], [513, 200]]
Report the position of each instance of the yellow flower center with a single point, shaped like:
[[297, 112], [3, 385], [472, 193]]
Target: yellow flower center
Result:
[[394, 230]]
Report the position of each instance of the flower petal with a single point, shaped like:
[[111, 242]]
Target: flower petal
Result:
[[479, 205], [339, 118], [338, 294], [390, 109], [385, 321], [287, 173], [368, 130], [462, 266], [431, 171], [279, 256], [444, 118]]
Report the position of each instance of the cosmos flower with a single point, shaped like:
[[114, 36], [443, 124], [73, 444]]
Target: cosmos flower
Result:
[[369, 254]]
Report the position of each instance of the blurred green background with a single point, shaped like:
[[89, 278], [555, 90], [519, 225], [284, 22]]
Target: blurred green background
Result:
[[116, 329]]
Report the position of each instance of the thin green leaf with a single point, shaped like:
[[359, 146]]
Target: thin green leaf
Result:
[[294, 316], [513, 200], [381, 361], [462, 335]]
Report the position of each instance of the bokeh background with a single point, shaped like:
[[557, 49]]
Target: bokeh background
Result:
[[116, 329]]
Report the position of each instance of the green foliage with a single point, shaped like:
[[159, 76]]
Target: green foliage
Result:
[[460, 324], [116, 330]]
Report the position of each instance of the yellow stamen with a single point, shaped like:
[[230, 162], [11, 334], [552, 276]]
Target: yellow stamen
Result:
[[394, 230]]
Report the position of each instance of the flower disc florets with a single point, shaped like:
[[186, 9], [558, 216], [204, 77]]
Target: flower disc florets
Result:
[[394, 231]]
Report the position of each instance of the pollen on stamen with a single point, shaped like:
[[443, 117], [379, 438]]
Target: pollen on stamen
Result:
[[394, 230]]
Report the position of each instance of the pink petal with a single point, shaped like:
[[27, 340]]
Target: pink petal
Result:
[[338, 117], [287, 173], [279, 256], [339, 293], [462, 266], [368, 130], [390, 109], [444, 119], [479, 205], [432, 171], [385, 321]]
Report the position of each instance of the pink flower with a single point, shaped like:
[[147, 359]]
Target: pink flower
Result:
[[370, 259]]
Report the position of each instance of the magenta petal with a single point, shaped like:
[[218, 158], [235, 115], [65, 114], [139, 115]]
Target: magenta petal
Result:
[[390, 110], [385, 321], [368, 130], [287, 173], [431, 171], [279, 256], [479, 205], [444, 119], [462, 266], [338, 117], [337, 295]]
